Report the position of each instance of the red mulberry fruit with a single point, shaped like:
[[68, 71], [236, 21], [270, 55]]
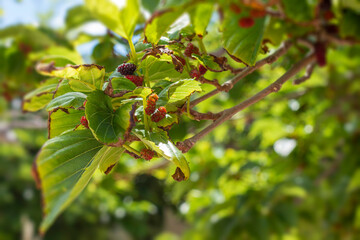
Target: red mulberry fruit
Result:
[[159, 114], [147, 154], [127, 69], [138, 81], [151, 104], [190, 49], [84, 122], [246, 22]]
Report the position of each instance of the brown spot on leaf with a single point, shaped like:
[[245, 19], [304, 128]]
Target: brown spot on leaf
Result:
[[108, 170], [178, 175]]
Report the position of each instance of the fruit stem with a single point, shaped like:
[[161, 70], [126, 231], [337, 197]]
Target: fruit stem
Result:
[[145, 115], [201, 45], [130, 149], [133, 52]]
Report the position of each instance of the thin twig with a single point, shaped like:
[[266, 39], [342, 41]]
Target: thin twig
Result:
[[248, 70], [308, 73], [228, 113]]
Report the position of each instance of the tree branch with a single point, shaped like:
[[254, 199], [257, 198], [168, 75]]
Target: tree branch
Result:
[[228, 113], [309, 71], [248, 70]]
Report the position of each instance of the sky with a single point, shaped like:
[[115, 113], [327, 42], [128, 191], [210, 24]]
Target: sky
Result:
[[28, 11]]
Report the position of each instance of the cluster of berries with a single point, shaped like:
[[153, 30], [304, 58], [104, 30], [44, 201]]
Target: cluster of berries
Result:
[[190, 49], [128, 69], [197, 73], [156, 115], [247, 22], [84, 121], [147, 154]]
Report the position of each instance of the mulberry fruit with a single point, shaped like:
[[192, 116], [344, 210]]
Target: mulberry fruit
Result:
[[84, 122], [195, 73], [147, 154], [190, 49], [202, 69], [138, 81], [127, 69], [246, 22], [151, 104], [255, 13], [159, 114]]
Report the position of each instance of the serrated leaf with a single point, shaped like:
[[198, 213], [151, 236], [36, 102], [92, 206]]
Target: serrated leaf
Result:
[[65, 165], [121, 21], [82, 78], [68, 100], [177, 93], [160, 143], [109, 157], [156, 69], [61, 121], [160, 23], [107, 124], [243, 43]]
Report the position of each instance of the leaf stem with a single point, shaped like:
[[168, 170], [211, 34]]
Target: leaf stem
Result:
[[133, 52], [130, 149], [145, 116], [202, 46]]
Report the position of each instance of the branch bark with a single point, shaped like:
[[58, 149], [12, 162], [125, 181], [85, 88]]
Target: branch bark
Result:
[[228, 113], [248, 70]]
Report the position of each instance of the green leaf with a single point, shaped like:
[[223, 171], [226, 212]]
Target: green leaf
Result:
[[160, 23], [120, 84], [121, 21], [200, 17], [110, 156], [301, 11], [177, 93], [68, 100], [106, 124], [60, 121], [155, 69], [82, 78], [65, 165], [243, 43], [142, 92], [349, 26], [150, 5], [77, 16], [41, 96], [160, 143], [207, 61], [168, 120]]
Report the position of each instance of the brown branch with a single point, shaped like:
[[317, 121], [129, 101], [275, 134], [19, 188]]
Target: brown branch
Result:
[[204, 116], [248, 70], [308, 73], [228, 113]]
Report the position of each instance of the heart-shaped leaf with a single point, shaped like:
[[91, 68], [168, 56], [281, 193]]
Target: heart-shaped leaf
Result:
[[107, 124]]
